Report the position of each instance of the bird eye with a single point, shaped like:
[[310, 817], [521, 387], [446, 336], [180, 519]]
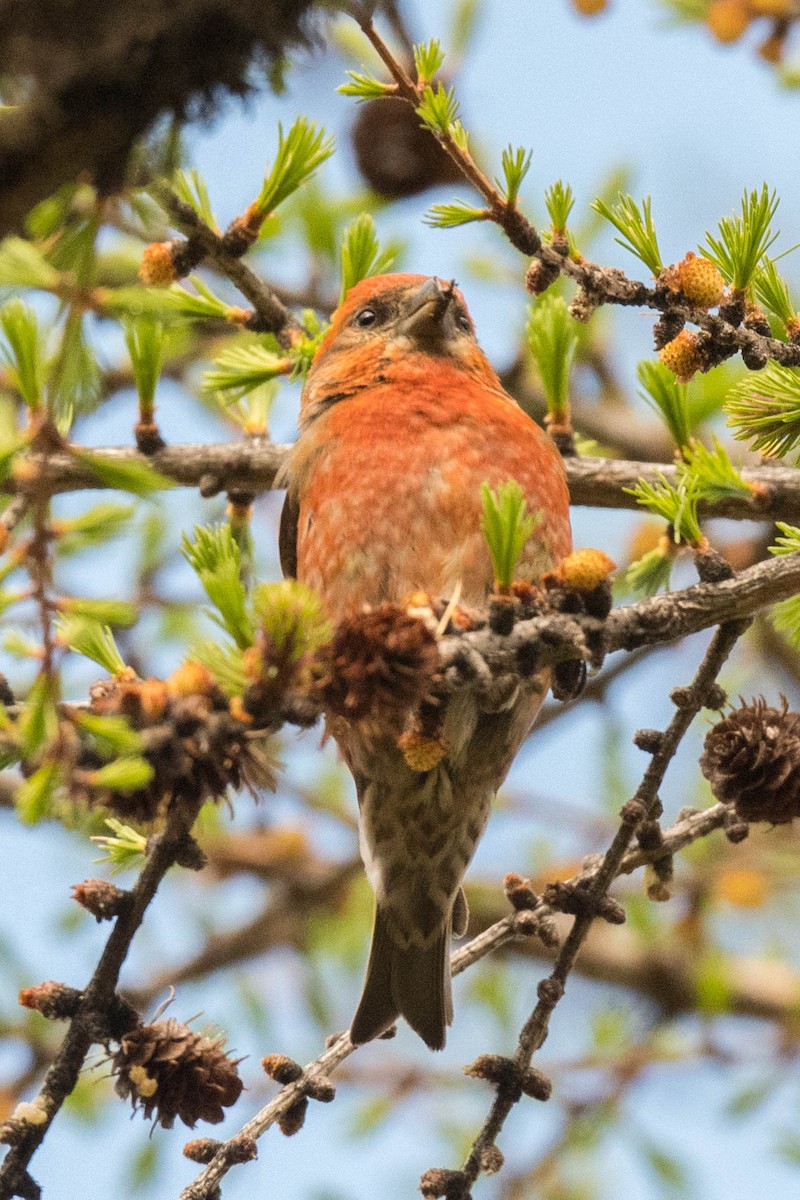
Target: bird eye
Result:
[[366, 317], [462, 320]]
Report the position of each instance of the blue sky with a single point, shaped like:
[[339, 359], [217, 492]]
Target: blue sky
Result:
[[696, 124]]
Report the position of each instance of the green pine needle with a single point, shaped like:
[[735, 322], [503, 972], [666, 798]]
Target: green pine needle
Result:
[[744, 238], [428, 58], [23, 265], [361, 254], [112, 736], [636, 226], [438, 108], [240, 369], [506, 525], [292, 615], [448, 216], [648, 575], [364, 87], [196, 305], [788, 541], [716, 476], [192, 190], [773, 291], [516, 164], [103, 612], [764, 409], [785, 615], [677, 504], [559, 200], [22, 350], [216, 557], [91, 639], [552, 339], [126, 774], [91, 528], [225, 663], [123, 852], [139, 478], [35, 796], [301, 152], [145, 341], [662, 392]]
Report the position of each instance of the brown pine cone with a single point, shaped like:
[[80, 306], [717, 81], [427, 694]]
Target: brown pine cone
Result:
[[395, 153], [170, 1071], [379, 665], [752, 758]]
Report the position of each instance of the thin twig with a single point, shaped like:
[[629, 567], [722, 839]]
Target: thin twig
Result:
[[253, 464], [274, 316], [597, 285], [499, 934], [642, 807]]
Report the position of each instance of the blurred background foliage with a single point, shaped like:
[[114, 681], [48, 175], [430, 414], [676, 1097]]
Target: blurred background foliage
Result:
[[674, 1054]]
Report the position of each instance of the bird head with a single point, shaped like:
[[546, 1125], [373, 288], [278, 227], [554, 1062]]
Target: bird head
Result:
[[385, 324]]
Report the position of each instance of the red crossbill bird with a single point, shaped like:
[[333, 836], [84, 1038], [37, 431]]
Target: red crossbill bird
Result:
[[402, 419]]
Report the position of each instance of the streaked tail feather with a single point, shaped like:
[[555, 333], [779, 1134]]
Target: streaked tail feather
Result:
[[410, 982]]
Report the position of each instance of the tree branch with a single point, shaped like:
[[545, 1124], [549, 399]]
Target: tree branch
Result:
[[91, 1021], [591, 891], [203, 242], [252, 465], [511, 928]]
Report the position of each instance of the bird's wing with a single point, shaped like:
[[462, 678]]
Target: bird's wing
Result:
[[287, 537]]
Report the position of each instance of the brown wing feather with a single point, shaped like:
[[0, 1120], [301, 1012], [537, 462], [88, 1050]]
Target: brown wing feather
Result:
[[287, 536]]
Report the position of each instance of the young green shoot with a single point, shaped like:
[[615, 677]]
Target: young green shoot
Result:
[[438, 108], [34, 798], [677, 504], [764, 409], [428, 59], [145, 341], [448, 216], [301, 152], [661, 390], [635, 223], [241, 369], [716, 476], [93, 640], [552, 339], [126, 774], [364, 87], [516, 164], [103, 612], [191, 188], [506, 525], [216, 557], [361, 254], [124, 851], [559, 200], [773, 292], [744, 238], [138, 478], [649, 574], [197, 305], [292, 615], [23, 265], [23, 352], [786, 614], [112, 736]]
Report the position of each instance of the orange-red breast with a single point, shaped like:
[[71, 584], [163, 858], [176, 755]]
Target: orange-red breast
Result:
[[402, 419]]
